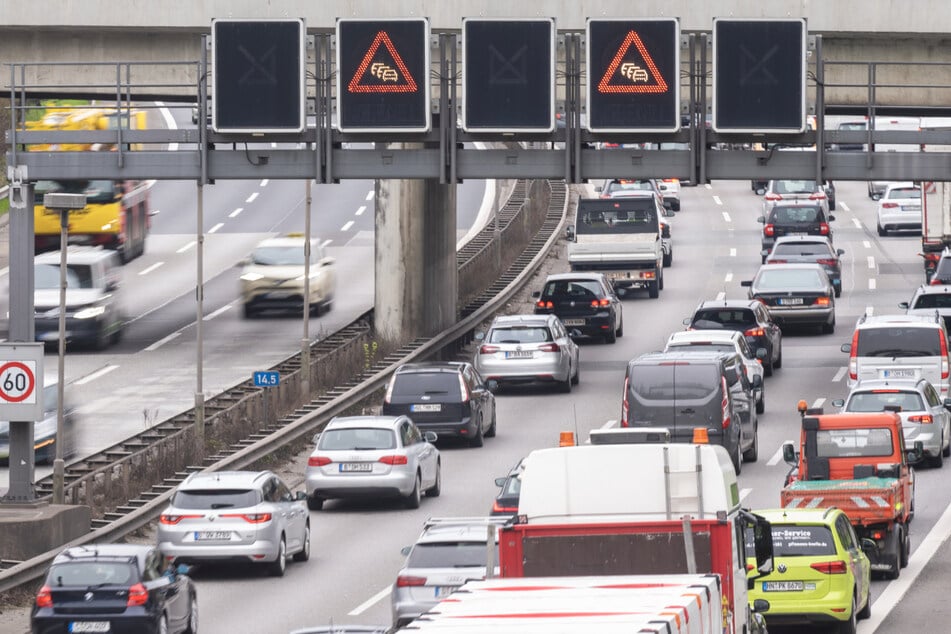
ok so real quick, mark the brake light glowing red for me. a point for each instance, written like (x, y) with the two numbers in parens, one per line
(823, 228)
(624, 404)
(394, 460)
(599, 303)
(768, 230)
(487, 349)
(826, 262)
(772, 261)
(498, 508)
(44, 598)
(250, 518)
(924, 419)
(138, 595)
(754, 332)
(889, 205)
(853, 357)
(172, 520)
(837, 567)
(543, 304)
(318, 461)
(549, 347)
(404, 581)
(773, 196)
(822, 301)
(819, 195)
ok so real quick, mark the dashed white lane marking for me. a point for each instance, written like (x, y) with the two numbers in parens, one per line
(214, 314)
(708, 186)
(819, 402)
(857, 223)
(871, 284)
(744, 493)
(361, 210)
(776, 457)
(236, 212)
(4, 271)
(717, 200)
(187, 247)
(726, 217)
(325, 243)
(161, 342)
(148, 270)
(721, 295)
(871, 262)
(363, 607)
(608, 425)
(866, 244)
(869, 310)
(370, 195)
(839, 374)
(347, 225)
(95, 375)
(842, 204)
(273, 144)
(264, 183)
(216, 227)
(251, 197)
(732, 253)
(728, 277)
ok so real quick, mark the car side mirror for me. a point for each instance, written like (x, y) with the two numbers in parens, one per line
(757, 381)
(790, 455)
(838, 402)
(500, 482)
(479, 336)
(761, 353)
(747, 283)
(598, 188)
(762, 605)
(430, 436)
(183, 569)
(111, 285)
(840, 251)
(492, 385)
(405, 550)
(846, 347)
(831, 218)
(686, 321)
(947, 403)
(903, 305)
(570, 233)
(300, 496)
(536, 294)
(761, 220)
(315, 438)
(868, 546)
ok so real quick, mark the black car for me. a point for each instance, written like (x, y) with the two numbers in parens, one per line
(451, 399)
(510, 486)
(795, 294)
(817, 250)
(748, 316)
(584, 302)
(794, 219)
(116, 588)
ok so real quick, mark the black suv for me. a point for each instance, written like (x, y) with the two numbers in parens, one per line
(584, 302)
(748, 316)
(792, 219)
(450, 398)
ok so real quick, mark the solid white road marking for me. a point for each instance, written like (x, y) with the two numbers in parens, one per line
(363, 607)
(325, 243)
(857, 223)
(151, 268)
(871, 284)
(161, 342)
(216, 227)
(839, 374)
(264, 183)
(726, 217)
(169, 122)
(214, 314)
(4, 271)
(744, 493)
(608, 425)
(95, 375)
(708, 186)
(776, 457)
(721, 295)
(717, 200)
(841, 203)
(187, 247)
(732, 253)
(819, 402)
(866, 244)
(361, 210)
(251, 197)
(234, 214)
(728, 277)
(370, 195)
(871, 262)
(347, 226)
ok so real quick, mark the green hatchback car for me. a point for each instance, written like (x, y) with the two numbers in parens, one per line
(820, 575)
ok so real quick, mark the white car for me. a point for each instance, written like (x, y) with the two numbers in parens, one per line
(273, 277)
(670, 190)
(899, 208)
(729, 341)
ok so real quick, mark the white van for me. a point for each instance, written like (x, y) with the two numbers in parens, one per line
(899, 347)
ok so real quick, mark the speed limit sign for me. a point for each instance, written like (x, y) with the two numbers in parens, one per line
(21, 381)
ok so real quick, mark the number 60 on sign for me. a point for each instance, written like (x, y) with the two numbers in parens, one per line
(21, 381)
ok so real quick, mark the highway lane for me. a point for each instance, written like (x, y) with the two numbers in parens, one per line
(356, 546)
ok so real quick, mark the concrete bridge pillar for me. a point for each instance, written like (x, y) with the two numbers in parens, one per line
(416, 274)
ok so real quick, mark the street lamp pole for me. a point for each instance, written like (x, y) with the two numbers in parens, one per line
(63, 203)
(305, 338)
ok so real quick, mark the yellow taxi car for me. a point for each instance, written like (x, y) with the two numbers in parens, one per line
(820, 573)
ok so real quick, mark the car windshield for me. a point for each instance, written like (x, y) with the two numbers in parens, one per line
(46, 276)
(575, 290)
(355, 438)
(635, 215)
(789, 249)
(898, 341)
(417, 383)
(706, 345)
(787, 279)
(626, 185)
(92, 573)
(798, 541)
(933, 300)
(215, 498)
(794, 187)
(279, 256)
(795, 215)
(875, 401)
(853, 443)
(858, 125)
(448, 555)
(519, 334)
(719, 317)
(904, 192)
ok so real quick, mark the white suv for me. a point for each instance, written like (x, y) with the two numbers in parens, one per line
(273, 277)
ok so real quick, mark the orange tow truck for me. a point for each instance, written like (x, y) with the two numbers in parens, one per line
(858, 463)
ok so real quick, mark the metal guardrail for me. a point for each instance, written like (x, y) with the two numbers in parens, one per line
(32, 569)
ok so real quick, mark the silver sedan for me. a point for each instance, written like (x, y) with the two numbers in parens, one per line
(373, 456)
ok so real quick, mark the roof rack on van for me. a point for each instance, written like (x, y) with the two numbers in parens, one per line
(466, 521)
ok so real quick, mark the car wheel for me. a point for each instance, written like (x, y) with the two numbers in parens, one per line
(866, 611)
(937, 461)
(490, 432)
(653, 290)
(162, 626)
(192, 616)
(436, 489)
(761, 401)
(946, 452)
(577, 377)
(277, 567)
(829, 328)
(905, 549)
(315, 503)
(611, 336)
(778, 363)
(477, 439)
(620, 328)
(412, 501)
(737, 458)
(768, 366)
(881, 231)
(752, 454)
(304, 553)
(248, 312)
(116, 335)
(660, 279)
(848, 626)
(565, 386)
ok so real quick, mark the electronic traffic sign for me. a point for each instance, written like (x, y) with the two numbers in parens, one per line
(508, 75)
(633, 75)
(383, 75)
(759, 75)
(258, 75)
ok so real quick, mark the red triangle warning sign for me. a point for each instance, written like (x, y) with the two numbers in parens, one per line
(632, 70)
(382, 71)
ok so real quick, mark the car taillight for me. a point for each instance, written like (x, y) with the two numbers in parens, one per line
(624, 405)
(772, 261)
(936, 282)
(549, 347)
(822, 301)
(773, 196)
(250, 518)
(725, 404)
(889, 205)
(138, 595)
(171, 520)
(394, 460)
(487, 349)
(823, 228)
(944, 355)
(837, 567)
(44, 598)
(826, 262)
(318, 461)
(754, 332)
(819, 195)
(924, 419)
(600, 303)
(853, 357)
(768, 230)
(498, 508)
(671, 180)
(403, 581)
(543, 304)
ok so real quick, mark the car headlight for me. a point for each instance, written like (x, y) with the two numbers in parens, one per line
(90, 312)
(251, 277)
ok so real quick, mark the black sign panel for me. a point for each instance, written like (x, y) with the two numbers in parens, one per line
(508, 74)
(633, 75)
(383, 75)
(759, 75)
(258, 75)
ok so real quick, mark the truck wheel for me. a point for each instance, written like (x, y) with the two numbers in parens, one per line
(653, 290)
(905, 548)
(892, 554)
(668, 258)
(660, 279)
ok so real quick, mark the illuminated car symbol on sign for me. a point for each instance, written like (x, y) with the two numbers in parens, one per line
(384, 72)
(634, 72)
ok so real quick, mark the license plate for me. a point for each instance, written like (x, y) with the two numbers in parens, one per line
(782, 586)
(898, 374)
(426, 407)
(89, 626)
(573, 322)
(350, 467)
(442, 591)
(911, 208)
(279, 294)
(203, 536)
(518, 354)
(790, 301)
